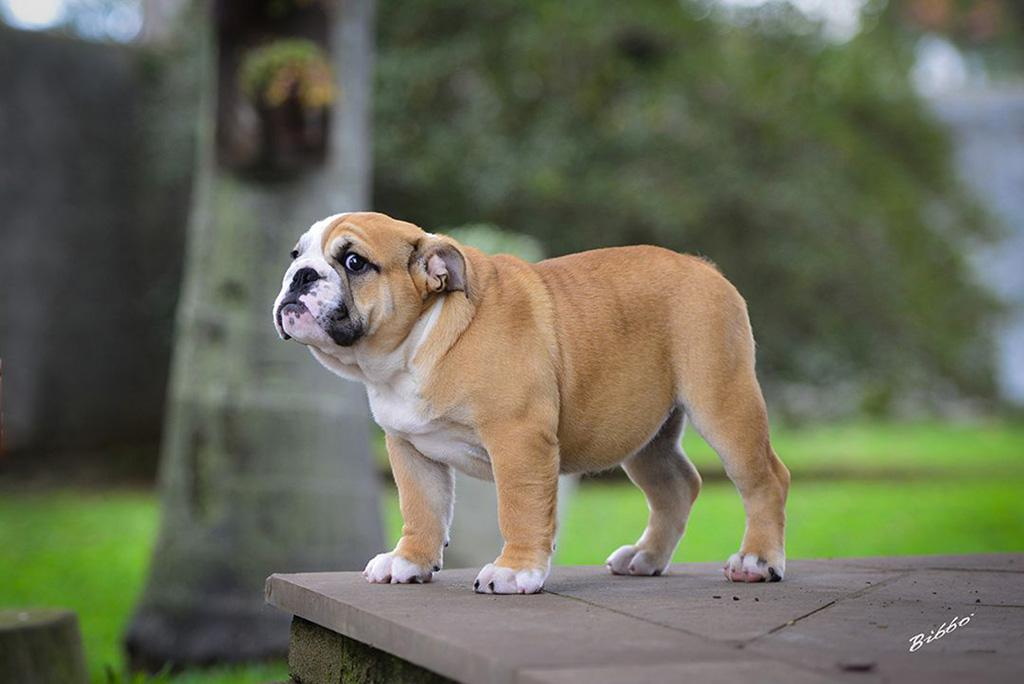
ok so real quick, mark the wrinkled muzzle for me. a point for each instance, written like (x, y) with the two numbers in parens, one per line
(312, 311)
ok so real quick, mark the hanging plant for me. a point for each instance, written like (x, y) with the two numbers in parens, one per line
(289, 69)
(287, 87)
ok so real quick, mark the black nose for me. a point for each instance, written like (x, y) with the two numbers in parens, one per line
(303, 278)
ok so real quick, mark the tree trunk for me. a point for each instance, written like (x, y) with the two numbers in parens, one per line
(265, 465)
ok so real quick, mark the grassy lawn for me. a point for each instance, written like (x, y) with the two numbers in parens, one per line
(88, 550)
(824, 520)
(81, 551)
(977, 449)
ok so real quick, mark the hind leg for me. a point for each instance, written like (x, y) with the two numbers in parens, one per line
(671, 484)
(733, 419)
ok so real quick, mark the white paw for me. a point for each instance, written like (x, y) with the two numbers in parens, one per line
(391, 568)
(630, 560)
(749, 567)
(494, 579)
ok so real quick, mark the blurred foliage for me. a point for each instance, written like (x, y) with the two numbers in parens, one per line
(118, 21)
(809, 171)
(272, 73)
(493, 240)
(991, 30)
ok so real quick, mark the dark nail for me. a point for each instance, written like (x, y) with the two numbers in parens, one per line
(476, 584)
(437, 568)
(491, 586)
(446, 543)
(775, 577)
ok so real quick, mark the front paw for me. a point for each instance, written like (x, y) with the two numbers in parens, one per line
(496, 579)
(391, 568)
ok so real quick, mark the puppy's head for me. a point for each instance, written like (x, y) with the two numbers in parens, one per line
(364, 278)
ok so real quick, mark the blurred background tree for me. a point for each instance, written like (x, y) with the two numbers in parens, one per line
(808, 169)
(266, 464)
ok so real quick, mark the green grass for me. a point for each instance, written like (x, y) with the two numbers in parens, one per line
(975, 448)
(80, 551)
(825, 519)
(88, 550)
(963, 501)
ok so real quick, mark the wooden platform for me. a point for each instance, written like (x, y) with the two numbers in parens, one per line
(830, 620)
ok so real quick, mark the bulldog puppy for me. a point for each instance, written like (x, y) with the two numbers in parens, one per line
(517, 372)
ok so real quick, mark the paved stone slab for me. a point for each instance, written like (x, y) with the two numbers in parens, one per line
(877, 626)
(842, 620)
(443, 626)
(990, 562)
(696, 599)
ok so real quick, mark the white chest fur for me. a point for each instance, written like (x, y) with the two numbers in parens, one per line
(397, 405)
(398, 409)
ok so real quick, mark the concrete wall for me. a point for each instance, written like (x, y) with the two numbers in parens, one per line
(91, 236)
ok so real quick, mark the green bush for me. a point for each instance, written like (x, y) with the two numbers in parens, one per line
(493, 240)
(809, 171)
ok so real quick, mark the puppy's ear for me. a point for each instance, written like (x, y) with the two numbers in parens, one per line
(443, 264)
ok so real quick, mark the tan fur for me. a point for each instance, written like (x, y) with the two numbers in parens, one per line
(571, 365)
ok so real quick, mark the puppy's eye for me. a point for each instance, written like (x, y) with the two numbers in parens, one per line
(355, 263)
(295, 254)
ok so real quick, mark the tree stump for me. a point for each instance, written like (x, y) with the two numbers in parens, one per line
(41, 646)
